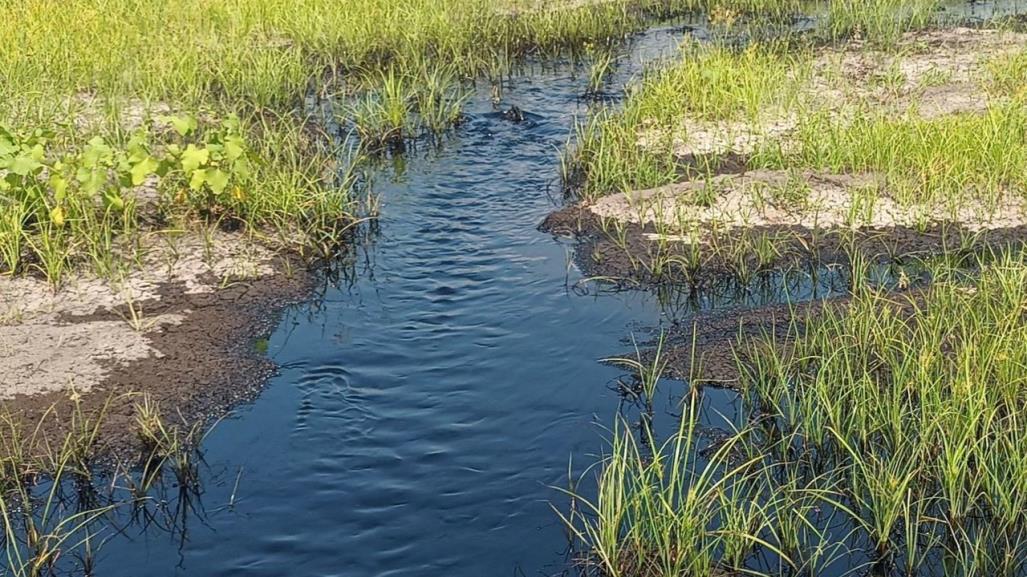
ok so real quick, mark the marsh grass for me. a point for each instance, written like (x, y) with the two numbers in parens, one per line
(634, 147)
(721, 92)
(884, 432)
(879, 21)
(407, 63)
(404, 103)
(946, 161)
(966, 167)
(59, 505)
(654, 506)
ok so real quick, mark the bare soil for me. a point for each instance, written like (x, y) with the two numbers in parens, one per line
(637, 255)
(179, 329)
(809, 199)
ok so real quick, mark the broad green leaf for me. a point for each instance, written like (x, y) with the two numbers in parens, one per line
(24, 165)
(7, 147)
(215, 150)
(143, 169)
(183, 125)
(235, 146)
(232, 124)
(241, 168)
(138, 147)
(96, 153)
(38, 153)
(59, 184)
(217, 180)
(197, 179)
(193, 158)
(92, 181)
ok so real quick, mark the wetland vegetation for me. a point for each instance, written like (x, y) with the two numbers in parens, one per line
(204, 147)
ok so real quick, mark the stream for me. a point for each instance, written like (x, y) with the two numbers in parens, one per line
(426, 407)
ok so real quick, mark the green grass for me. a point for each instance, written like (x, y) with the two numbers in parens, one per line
(404, 65)
(920, 397)
(944, 160)
(59, 505)
(634, 148)
(892, 426)
(265, 52)
(949, 159)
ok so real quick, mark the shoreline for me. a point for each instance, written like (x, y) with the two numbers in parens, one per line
(185, 341)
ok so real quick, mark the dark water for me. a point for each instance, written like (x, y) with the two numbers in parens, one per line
(424, 410)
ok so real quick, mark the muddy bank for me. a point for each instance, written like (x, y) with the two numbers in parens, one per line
(181, 329)
(633, 254)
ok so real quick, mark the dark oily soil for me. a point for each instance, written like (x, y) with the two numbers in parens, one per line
(708, 348)
(632, 259)
(207, 364)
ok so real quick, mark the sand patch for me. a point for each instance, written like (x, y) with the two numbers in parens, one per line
(929, 74)
(808, 199)
(73, 338)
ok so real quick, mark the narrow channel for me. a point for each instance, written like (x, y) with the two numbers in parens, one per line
(425, 410)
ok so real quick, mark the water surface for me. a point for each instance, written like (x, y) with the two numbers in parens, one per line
(424, 410)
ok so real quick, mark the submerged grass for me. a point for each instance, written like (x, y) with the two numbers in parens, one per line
(59, 505)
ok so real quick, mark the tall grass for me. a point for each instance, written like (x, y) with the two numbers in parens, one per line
(264, 52)
(894, 424)
(634, 147)
(946, 160)
(717, 92)
(922, 395)
(258, 59)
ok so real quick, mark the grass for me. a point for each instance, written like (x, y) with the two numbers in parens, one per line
(950, 159)
(719, 102)
(405, 66)
(634, 148)
(779, 106)
(58, 506)
(884, 432)
(71, 203)
(265, 52)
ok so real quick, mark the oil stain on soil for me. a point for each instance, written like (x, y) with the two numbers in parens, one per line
(179, 331)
